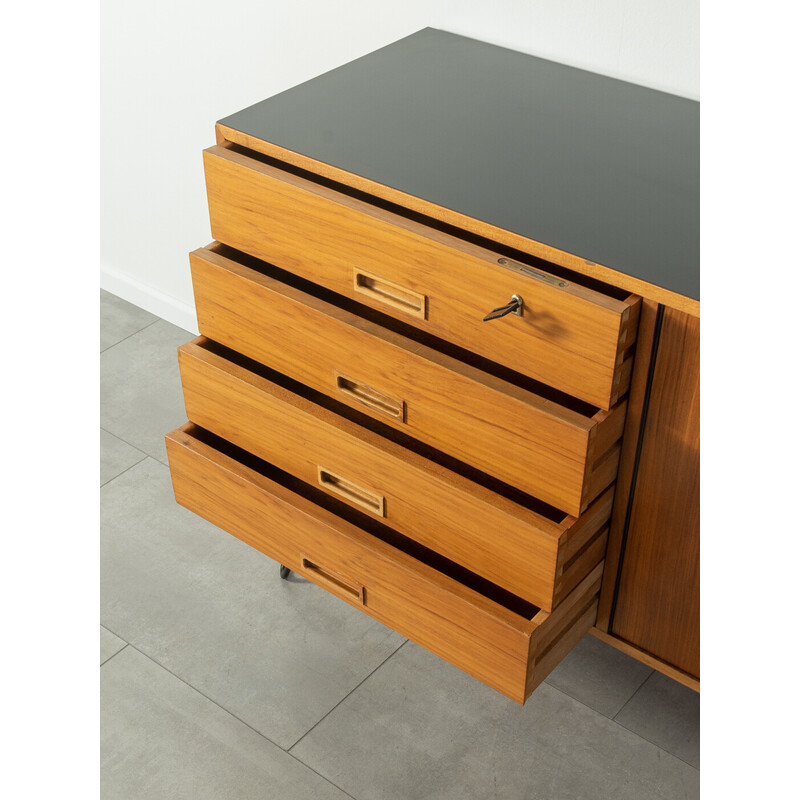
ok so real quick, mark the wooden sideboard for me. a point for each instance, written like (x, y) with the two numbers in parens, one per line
(493, 488)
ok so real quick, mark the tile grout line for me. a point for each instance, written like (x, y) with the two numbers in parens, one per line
(321, 719)
(127, 469)
(638, 689)
(327, 714)
(580, 702)
(103, 663)
(230, 713)
(613, 719)
(124, 339)
(327, 780)
(655, 744)
(202, 694)
(124, 441)
(586, 705)
(114, 633)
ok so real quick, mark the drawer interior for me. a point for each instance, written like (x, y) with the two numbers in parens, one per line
(522, 608)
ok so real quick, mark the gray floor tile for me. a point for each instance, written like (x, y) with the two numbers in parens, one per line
(419, 728)
(162, 739)
(140, 387)
(116, 456)
(277, 654)
(599, 676)
(109, 644)
(668, 714)
(119, 319)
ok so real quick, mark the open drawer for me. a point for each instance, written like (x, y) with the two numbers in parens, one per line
(553, 447)
(569, 335)
(498, 638)
(533, 550)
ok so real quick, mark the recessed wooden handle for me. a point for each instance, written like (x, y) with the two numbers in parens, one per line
(372, 398)
(335, 583)
(391, 294)
(364, 498)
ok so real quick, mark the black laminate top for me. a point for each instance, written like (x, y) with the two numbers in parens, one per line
(597, 167)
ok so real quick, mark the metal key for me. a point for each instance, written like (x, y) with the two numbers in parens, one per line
(513, 306)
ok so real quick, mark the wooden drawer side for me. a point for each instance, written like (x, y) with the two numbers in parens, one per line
(583, 546)
(557, 632)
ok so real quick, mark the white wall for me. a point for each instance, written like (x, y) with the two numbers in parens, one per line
(171, 68)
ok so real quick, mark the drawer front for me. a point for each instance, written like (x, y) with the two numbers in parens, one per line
(558, 455)
(509, 650)
(535, 556)
(568, 336)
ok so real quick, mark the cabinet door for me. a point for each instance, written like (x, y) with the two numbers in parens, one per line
(658, 603)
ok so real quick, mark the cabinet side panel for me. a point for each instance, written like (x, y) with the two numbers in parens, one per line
(658, 604)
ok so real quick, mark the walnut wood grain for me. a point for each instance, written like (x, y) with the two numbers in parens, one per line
(658, 603)
(569, 336)
(474, 633)
(509, 432)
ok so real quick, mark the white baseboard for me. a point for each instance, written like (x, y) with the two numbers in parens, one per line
(149, 298)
